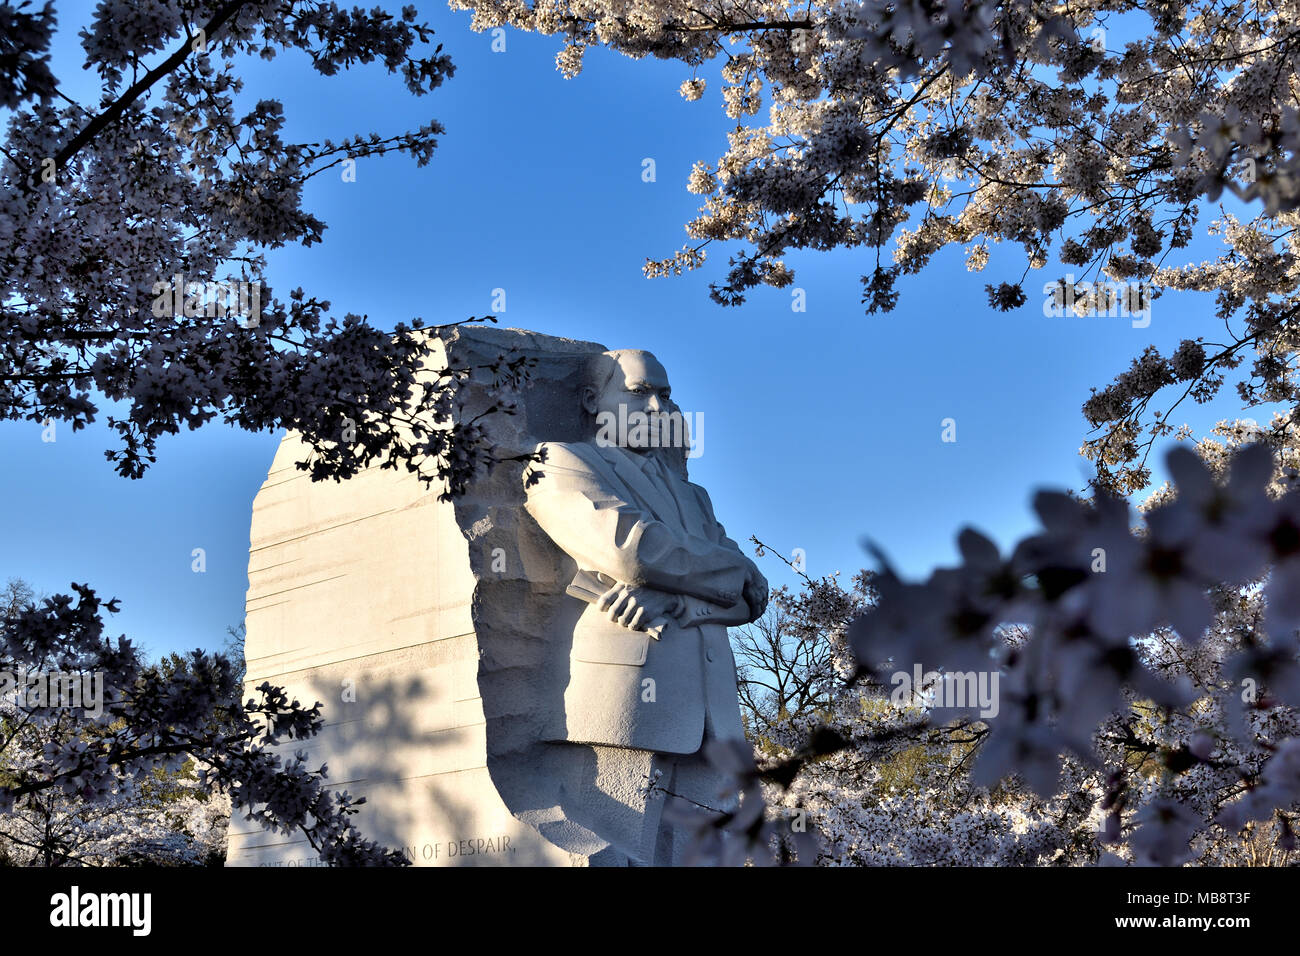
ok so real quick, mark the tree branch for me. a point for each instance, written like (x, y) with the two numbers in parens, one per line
(119, 106)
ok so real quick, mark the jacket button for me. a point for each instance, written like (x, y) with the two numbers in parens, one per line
(708, 653)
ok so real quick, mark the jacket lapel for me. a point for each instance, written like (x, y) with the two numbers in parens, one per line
(649, 495)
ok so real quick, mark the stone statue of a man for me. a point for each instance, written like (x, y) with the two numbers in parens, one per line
(651, 674)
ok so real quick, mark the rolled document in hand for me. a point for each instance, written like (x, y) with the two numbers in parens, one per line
(590, 585)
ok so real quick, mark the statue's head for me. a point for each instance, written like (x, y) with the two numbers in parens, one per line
(631, 378)
(626, 385)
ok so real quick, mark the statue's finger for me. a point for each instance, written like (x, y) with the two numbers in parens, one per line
(604, 600)
(631, 609)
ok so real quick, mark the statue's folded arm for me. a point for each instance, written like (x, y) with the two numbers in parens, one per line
(604, 532)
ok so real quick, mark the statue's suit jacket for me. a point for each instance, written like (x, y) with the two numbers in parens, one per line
(649, 530)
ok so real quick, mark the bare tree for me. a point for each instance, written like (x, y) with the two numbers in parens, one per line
(792, 661)
(16, 594)
(778, 674)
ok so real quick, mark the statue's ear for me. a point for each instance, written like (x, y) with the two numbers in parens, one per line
(588, 396)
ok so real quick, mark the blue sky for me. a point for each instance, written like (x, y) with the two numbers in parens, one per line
(822, 427)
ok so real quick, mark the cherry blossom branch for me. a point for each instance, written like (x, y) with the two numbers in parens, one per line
(118, 107)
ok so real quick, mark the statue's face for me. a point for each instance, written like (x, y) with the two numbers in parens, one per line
(640, 384)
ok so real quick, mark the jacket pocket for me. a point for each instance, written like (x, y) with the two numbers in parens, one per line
(624, 646)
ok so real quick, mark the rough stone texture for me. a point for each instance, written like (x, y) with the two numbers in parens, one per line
(371, 584)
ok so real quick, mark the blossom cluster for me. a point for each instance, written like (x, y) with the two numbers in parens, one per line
(173, 171)
(1096, 133)
(82, 771)
(1149, 706)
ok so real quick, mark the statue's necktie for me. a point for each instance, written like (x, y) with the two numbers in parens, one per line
(659, 477)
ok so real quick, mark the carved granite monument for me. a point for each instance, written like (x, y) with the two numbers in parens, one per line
(503, 676)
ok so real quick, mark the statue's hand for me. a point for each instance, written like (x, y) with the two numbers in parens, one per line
(637, 608)
(755, 590)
